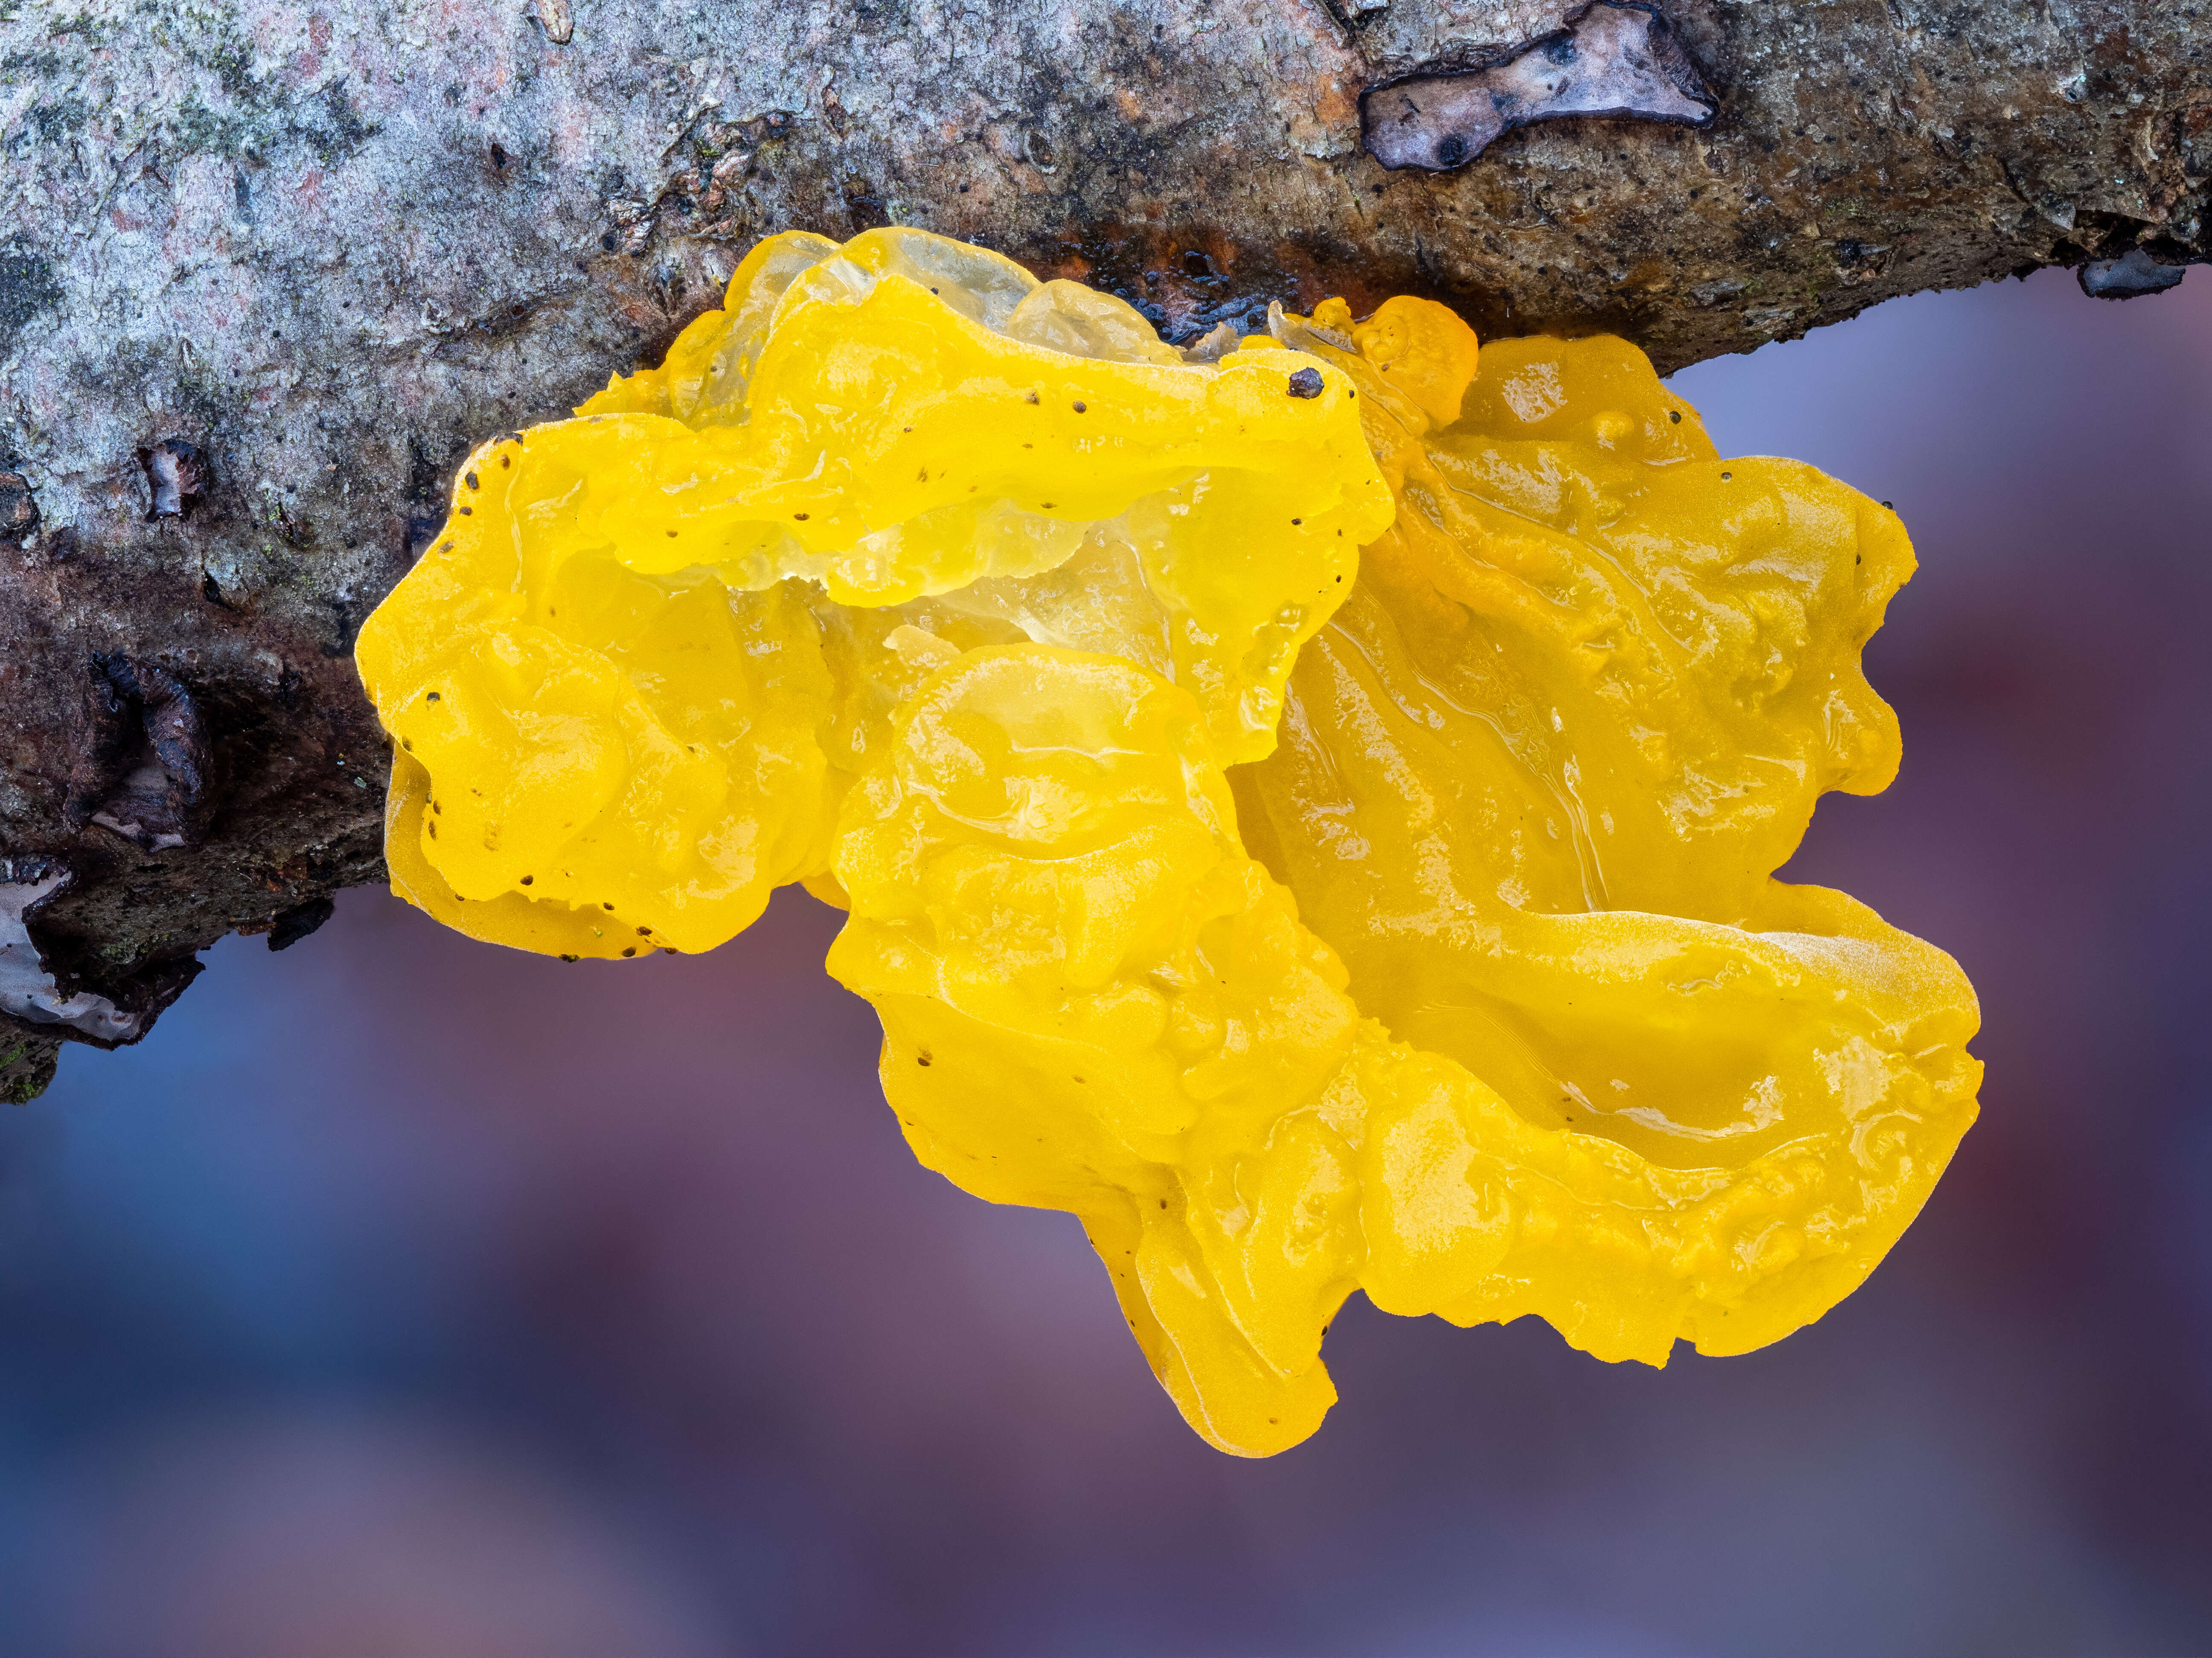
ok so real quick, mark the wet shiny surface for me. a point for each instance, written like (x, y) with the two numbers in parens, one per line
(1687, 1103)
(652, 646)
(374, 1277)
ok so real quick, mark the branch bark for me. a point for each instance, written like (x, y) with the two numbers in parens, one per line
(268, 270)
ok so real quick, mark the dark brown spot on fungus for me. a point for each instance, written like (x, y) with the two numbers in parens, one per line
(472, 478)
(1082, 408)
(1674, 414)
(801, 517)
(1306, 383)
(1615, 58)
(528, 879)
(629, 950)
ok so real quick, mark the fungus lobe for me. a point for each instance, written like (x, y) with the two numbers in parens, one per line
(1323, 841)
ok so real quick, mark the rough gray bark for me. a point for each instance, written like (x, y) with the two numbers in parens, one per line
(267, 271)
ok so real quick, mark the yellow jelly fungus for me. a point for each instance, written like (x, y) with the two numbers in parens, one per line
(655, 643)
(963, 599)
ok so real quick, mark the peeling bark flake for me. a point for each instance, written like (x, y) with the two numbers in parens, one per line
(1614, 59)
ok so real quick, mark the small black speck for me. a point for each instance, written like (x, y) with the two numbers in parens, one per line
(1033, 397)
(1725, 477)
(1306, 383)
(468, 512)
(671, 535)
(933, 290)
(433, 696)
(644, 933)
(506, 460)
(1046, 506)
(1674, 414)
(629, 950)
(1297, 520)
(921, 1058)
(1082, 408)
(567, 958)
(471, 478)
(801, 517)
(606, 905)
(528, 879)
(1891, 504)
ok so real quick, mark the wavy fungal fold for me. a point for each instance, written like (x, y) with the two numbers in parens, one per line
(1309, 812)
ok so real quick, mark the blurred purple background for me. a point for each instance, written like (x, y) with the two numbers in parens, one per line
(402, 1295)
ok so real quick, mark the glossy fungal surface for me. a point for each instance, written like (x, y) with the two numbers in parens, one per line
(1311, 814)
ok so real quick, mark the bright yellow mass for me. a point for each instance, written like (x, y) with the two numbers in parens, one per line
(1311, 811)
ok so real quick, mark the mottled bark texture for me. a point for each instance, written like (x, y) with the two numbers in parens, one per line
(268, 270)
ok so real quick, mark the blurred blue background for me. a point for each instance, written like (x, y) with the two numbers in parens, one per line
(401, 1295)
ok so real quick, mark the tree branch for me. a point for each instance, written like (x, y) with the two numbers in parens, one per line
(272, 271)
